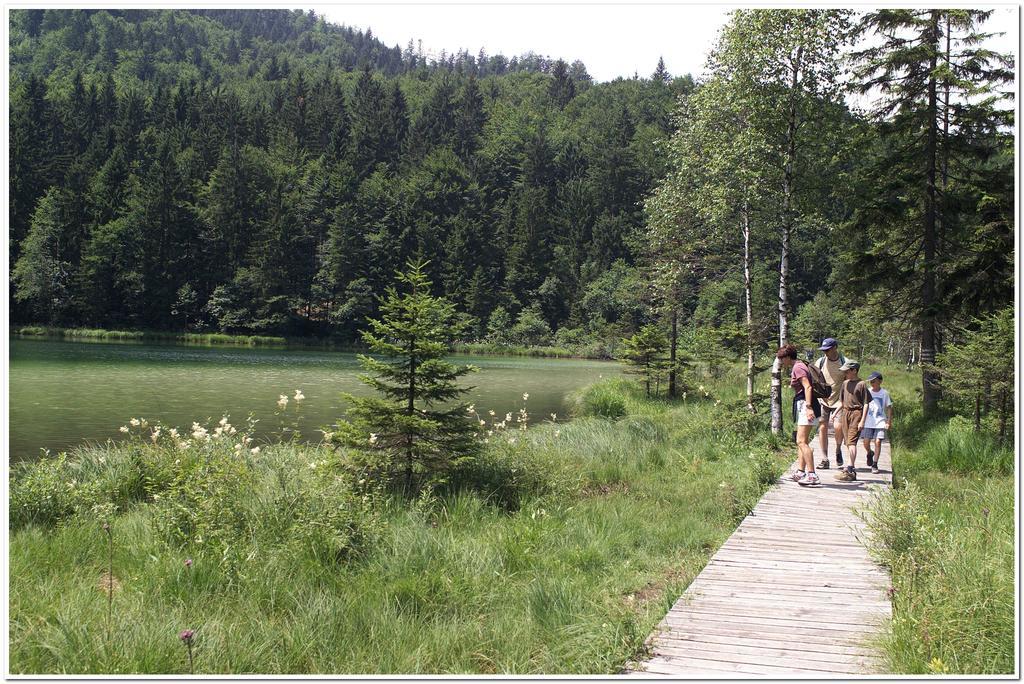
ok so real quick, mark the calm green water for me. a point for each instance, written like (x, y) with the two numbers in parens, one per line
(65, 393)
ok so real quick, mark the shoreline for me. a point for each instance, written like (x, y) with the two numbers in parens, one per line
(275, 342)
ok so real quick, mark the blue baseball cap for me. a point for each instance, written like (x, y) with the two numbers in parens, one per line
(828, 343)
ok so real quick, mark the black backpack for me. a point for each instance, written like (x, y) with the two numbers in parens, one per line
(820, 388)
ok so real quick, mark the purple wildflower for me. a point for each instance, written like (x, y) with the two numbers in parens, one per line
(188, 562)
(186, 635)
(891, 592)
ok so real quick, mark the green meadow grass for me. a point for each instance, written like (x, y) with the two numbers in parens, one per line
(556, 553)
(946, 531)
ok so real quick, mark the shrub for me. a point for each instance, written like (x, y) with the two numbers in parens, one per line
(47, 492)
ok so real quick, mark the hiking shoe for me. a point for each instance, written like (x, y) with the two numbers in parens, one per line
(823, 464)
(839, 457)
(875, 470)
(846, 475)
(871, 459)
(797, 475)
(809, 479)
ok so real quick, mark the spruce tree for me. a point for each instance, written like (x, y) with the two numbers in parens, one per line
(413, 433)
(644, 354)
(939, 90)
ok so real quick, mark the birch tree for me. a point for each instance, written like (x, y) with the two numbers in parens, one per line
(784, 65)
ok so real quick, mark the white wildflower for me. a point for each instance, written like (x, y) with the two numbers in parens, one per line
(173, 432)
(124, 428)
(491, 412)
(254, 450)
(156, 435)
(373, 438)
(554, 416)
(526, 395)
(299, 396)
(508, 417)
(238, 447)
(134, 422)
(223, 421)
(282, 401)
(483, 422)
(471, 408)
(199, 433)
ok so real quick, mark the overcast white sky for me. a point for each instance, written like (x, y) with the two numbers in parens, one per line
(611, 39)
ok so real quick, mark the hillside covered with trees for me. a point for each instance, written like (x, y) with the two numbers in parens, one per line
(267, 172)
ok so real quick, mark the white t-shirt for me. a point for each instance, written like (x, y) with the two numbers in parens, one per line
(876, 409)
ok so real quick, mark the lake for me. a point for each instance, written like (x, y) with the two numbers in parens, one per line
(62, 394)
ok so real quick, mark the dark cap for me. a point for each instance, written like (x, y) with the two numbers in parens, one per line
(875, 375)
(828, 343)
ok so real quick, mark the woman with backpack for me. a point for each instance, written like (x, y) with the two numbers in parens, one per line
(806, 409)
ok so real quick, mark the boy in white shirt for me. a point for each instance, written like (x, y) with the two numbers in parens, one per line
(879, 419)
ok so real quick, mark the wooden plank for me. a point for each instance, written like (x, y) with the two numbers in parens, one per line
(764, 650)
(797, 601)
(688, 665)
(781, 641)
(739, 631)
(692, 614)
(774, 585)
(846, 664)
(852, 616)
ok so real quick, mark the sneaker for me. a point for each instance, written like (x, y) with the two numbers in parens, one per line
(809, 479)
(797, 475)
(871, 459)
(823, 464)
(839, 457)
(875, 470)
(846, 475)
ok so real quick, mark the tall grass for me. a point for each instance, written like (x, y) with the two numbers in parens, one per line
(557, 551)
(946, 531)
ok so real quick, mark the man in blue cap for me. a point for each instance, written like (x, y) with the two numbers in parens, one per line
(829, 365)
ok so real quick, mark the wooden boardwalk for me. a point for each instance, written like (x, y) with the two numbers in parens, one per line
(791, 593)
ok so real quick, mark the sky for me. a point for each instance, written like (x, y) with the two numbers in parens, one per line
(611, 39)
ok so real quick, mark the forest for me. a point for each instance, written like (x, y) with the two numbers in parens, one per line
(267, 172)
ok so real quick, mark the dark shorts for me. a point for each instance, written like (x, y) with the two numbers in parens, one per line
(849, 421)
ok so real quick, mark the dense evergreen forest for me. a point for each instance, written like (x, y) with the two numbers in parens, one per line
(267, 172)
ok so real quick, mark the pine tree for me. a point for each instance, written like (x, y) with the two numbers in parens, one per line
(406, 434)
(925, 58)
(661, 74)
(562, 88)
(644, 354)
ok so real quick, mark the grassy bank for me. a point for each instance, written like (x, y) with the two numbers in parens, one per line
(594, 351)
(947, 533)
(100, 334)
(556, 552)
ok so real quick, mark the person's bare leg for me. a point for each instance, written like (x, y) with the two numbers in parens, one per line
(837, 426)
(823, 432)
(806, 459)
(878, 450)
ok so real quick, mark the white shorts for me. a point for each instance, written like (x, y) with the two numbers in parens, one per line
(801, 414)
